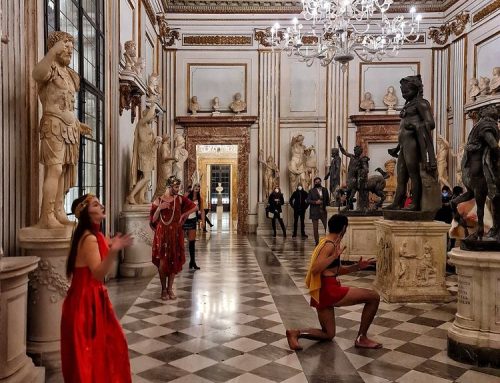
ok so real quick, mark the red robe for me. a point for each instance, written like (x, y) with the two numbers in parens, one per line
(93, 346)
(168, 242)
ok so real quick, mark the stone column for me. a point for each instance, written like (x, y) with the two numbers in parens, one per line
(411, 261)
(474, 336)
(168, 78)
(15, 366)
(137, 258)
(47, 289)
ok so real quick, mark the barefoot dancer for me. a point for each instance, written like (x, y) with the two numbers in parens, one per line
(327, 293)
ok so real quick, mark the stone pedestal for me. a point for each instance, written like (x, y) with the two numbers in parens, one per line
(411, 261)
(47, 289)
(360, 238)
(134, 220)
(474, 336)
(219, 210)
(15, 365)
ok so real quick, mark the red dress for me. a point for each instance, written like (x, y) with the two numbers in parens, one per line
(168, 241)
(93, 346)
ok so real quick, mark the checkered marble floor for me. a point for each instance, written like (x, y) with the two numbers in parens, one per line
(414, 335)
(224, 326)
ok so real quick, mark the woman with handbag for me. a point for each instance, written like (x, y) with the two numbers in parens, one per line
(276, 201)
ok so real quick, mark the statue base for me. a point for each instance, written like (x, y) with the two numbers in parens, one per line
(360, 213)
(411, 261)
(47, 289)
(474, 336)
(137, 258)
(15, 365)
(360, 227)
(480, 245)
(408, 215)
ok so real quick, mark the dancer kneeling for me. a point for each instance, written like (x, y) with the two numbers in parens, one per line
(327, 293)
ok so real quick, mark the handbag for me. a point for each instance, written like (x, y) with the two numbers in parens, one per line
(269, 213)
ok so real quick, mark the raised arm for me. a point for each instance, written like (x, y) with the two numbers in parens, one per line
(41, 72)
(342, 150)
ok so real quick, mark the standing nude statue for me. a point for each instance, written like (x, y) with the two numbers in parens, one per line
(59, 128)
(296, 166)
(271, 173)
(443, 148)
(334, 173)
(180, 155)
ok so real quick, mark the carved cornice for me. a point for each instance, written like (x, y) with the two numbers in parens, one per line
(214, 121)
(486, 11)
(456, 26)
(166, 34)
(130, 98)
(216, 40)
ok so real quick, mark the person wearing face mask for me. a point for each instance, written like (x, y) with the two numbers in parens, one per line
(445, 213)
(327, 292)
(299, 206)
(276, 201)
(318, 199)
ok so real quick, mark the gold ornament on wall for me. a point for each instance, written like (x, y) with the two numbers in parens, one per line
(486, 11)
(263, 36)
(456, 26)
(230, 40)
(167, 35)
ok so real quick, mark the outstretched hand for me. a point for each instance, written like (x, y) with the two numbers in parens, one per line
(121, 241)
(363, 264)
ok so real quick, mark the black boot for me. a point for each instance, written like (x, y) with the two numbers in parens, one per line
(192, 260)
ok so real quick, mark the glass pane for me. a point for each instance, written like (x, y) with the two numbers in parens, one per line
(51, 15)
(89, 6)
(90, 112)
(89, 52)
(69, 24)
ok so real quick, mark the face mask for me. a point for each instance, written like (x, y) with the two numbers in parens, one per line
(444, 194)
(276, 190)
(318, 184)
(299, 188)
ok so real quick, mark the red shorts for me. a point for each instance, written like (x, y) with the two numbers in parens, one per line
(331, 292)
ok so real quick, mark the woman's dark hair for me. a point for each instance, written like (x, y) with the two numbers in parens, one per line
(457, 190)
(84, 223)
(191, 196)
(447, 188)
(336, 223)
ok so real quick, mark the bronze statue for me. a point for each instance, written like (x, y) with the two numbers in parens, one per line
(334, 172)
(415, 151)
(481, 174)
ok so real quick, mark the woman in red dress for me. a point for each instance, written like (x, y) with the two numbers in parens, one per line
(93, 346)
(167, 216)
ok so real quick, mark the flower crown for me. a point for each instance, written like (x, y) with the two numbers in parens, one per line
(82, 205)
(173, 181)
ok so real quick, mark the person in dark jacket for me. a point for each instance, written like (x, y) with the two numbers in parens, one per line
(299, 206)
(318, 199)
(276, 201)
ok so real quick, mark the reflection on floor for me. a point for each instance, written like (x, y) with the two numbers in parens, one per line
(225, 224)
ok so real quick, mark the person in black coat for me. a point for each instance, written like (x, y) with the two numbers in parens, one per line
(276, 201)
(318, 199)
(299, 206)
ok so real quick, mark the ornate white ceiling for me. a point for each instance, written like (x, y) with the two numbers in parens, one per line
(284, 6)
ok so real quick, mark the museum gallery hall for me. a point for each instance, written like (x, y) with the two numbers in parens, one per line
(249, 191)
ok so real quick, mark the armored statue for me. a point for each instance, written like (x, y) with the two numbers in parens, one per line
(59, 128)
(271, 173)
(416, 160)
(481, 175)
(333, 173)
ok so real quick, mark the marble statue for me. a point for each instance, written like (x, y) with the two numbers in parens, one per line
(459, 154)
(484, 86)
(238, 105)
(143, 157)
(180, 155)
(443, 148)
(165, 163)
(271, 173)
(132, 62)
(194, 107)
(311, 165)
(296, 166)
(215, 106)
(390, 99)
(473, 89)
(59, 128)
(495, 81)
(415, 152)
(219, 190)
(153, 92)
(390, 182)
(333, 173)
(367, 103)
(481, 176)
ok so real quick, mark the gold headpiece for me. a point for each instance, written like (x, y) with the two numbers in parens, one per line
(173, 181)
(82, 205)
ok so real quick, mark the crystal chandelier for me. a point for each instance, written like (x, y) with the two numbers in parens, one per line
(338, 29)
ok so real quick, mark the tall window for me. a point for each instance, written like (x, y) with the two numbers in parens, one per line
(84, 20)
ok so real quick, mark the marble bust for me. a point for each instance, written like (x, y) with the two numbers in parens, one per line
(367, 103)
(473, 89)
(132, 62)
(153, 93)
(495, 81)
(194, 106)
(390, 99)
(215, 106)
(238, 105)
(484, 86)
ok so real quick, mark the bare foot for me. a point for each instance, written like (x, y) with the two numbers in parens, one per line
(292, 336)
(364, 342)
(164, 295)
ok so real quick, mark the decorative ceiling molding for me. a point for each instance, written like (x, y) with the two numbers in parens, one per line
(294, 7)
(207, 40)
(456, 26)
(486, 11)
